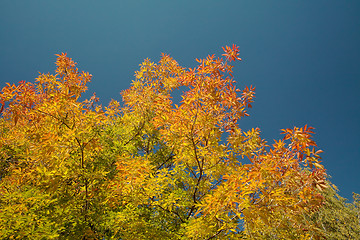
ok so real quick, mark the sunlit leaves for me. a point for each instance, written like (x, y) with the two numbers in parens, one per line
(154, 167)
(231, 54)
(49, 140)
(271, 192)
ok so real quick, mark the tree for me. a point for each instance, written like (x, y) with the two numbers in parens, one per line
(151, 168)
(337, 219)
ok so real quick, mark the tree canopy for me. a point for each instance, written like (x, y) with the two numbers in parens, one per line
(149, 167)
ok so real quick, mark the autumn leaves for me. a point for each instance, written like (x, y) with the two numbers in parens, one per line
(151, 168)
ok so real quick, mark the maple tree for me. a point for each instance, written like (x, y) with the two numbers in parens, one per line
(150, 168)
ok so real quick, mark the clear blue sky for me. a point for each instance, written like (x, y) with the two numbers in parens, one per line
(302, 56)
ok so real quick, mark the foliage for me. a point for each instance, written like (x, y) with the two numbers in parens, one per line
(337, 219)
(151, 168)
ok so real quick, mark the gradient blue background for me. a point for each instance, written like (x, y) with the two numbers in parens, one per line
(302, 56)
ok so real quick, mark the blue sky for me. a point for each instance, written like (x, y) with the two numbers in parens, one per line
(302, 56)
